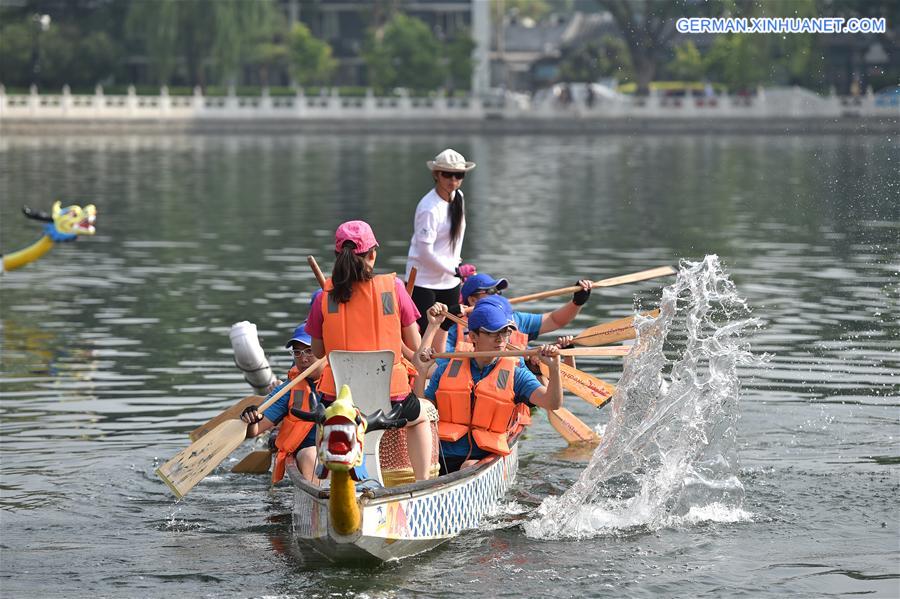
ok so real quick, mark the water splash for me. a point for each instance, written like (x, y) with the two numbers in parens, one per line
(668, 456)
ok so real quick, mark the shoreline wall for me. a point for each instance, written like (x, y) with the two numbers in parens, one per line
(432, 126)
(771, 111)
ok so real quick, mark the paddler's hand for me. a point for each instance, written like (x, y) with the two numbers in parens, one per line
(564, 341)
(251, 415)
(272, 386)
(455, 310)
(436, 313)
(422, 360)
(581, 296)
(550, 355)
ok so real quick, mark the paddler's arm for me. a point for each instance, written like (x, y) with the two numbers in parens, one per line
(549, 397)
(422, 360)
(565, 314)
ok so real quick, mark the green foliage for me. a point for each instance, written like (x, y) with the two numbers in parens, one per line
(63, 54)
(408, 55)
(738, 61)
(310, 58)
(607, 57)
(15, 53)
(460, 63)
(533, 9)
(205, 38)
(688, 64)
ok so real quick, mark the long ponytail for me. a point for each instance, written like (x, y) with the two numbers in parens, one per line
(457, 210)
(349, 268)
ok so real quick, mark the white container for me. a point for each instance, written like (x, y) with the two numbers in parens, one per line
(250, 357)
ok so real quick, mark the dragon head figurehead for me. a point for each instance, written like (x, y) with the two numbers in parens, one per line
(64, 224)
(340, 438)
(74, 220)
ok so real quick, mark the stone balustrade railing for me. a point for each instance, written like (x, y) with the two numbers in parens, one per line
(764, 104)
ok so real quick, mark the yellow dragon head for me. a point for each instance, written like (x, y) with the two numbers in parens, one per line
(74, 220)
(340, 438)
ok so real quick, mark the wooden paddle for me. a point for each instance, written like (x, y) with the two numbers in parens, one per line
(316, 270)
(230, 413)
(571, 428)
(610, 332)
(615, 350)
(412, 280)
(256, 462)
(589, 388)
(621, 280)
(193, 463)
(260, 461)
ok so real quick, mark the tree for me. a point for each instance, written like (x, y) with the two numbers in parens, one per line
(407, 56)
(207, 37)
(460, 63)
(737, 60)
(309, 57)
(16, 45)
(688, 64)
(607, 57)
(648, 27)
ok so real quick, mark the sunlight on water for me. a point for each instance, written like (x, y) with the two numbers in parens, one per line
(668, 456)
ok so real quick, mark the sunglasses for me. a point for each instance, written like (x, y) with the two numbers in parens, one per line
(490, 291)
(457, 176)
(500, 335)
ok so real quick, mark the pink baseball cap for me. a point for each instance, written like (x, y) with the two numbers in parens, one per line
(357, 231)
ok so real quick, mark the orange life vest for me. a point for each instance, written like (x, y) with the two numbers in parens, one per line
(462, 340)
(293, 430)
(490, 417)
(369, 321)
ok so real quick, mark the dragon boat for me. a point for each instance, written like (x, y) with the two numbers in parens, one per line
(373, 518)
(62, 224)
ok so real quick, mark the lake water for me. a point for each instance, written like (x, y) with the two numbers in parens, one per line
(116, 346)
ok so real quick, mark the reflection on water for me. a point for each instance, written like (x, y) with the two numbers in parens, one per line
(115, 347)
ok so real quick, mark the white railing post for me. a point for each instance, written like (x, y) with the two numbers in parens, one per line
(66, 100)
(300, 102)
(197, 103)
(265, 101)
(97, 103)
(34, 101)
(165, 102)
(131, 102)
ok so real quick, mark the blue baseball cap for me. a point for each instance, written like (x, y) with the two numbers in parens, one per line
(491, 314)
(480, 282)
(300, 335)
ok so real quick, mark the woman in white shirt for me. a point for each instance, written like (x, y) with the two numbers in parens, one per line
(440, 226)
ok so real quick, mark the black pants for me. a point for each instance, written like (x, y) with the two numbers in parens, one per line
(451, 464)
(424, 298)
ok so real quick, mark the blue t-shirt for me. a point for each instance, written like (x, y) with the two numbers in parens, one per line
(524, 384)
(528, 323)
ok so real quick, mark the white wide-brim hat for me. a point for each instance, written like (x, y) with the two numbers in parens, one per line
(450, 161)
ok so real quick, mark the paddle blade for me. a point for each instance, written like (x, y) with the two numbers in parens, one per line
(572, 429)
(587, 387)
(610, 332)
(256, 462)
(231, 413)
(199, 458)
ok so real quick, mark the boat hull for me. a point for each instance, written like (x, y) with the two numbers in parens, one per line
(406, 520)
